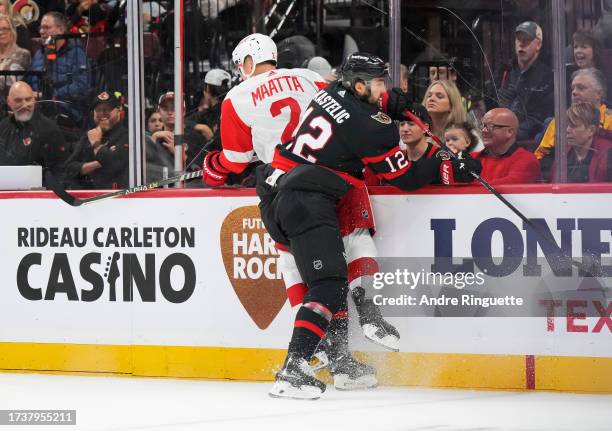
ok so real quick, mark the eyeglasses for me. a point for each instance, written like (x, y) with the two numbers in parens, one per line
(491, 127)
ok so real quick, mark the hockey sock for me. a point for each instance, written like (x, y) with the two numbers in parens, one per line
(337, 333)
(311, 322)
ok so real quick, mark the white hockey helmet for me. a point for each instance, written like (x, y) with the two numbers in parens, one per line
(259, 47)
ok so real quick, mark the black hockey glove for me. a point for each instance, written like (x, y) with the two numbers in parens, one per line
(457, 170)
(463, 165)
(394, 103)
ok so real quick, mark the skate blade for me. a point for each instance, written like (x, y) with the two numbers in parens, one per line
(389, 341)
(343, 382)
(283, 389)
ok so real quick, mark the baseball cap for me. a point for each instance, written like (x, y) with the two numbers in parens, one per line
(167, 95)
(530, 28)
(320, 65)
(108, 97)
(217, 77)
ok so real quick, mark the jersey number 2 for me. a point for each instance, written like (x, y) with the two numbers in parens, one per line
(294, 118)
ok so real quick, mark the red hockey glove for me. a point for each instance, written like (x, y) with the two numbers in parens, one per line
(214, 174)
(457, 170)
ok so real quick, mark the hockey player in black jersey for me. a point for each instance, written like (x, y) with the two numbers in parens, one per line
(342, 131)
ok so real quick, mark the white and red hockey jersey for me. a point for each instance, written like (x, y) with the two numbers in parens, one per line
(263, 112)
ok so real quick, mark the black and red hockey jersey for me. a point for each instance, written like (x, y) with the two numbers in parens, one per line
(344, 133)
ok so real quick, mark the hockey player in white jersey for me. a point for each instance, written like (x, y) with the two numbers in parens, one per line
(263, 111)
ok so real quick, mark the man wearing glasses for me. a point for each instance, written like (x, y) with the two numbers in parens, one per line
(503, 162)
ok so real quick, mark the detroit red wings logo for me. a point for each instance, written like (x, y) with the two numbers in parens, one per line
(27, 141)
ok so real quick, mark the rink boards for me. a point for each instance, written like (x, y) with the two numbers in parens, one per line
(185, 284)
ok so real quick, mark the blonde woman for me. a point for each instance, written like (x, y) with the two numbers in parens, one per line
(443, 103)
(24, 38)
(12, 57)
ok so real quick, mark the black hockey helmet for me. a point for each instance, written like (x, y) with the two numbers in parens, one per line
(361, 66)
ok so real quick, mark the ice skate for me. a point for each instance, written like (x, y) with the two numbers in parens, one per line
(375, 327)
(297, 381)
(350, 374)
(333, 353)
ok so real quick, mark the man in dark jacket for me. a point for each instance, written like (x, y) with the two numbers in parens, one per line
(100, 159)
(27, 137)
(526, 88)
(66, 67)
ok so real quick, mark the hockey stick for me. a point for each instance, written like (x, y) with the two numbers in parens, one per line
(71, 200)
(489, 187)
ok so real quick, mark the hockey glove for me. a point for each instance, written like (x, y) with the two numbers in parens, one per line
(394, 103)
(214, 174)
(458, 170)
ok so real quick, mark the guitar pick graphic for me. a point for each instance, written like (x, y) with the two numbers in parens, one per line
(250, 260)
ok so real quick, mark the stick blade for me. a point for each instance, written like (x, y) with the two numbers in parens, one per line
(52, 183)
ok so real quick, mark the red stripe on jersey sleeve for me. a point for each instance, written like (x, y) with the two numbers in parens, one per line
(392, 175)
(235, 136)
(321, 85)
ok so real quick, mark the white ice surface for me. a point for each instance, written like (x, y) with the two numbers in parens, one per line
(115, 403)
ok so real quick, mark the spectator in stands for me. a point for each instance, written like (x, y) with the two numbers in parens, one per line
(461, 137)
(526, 86)
(322, 67)
(587, 50)
(414, 141)
(443, 102)
(193, 141)
(503, 161)
(32, 11)
(589, 152)
(588, 85)
(86, 16)
(160, 142)
(165, 137)
(12, 57)
(588, 53)
(66, 67)
(151, 13)
(24, 38)
(27, 137)
(100, 159)
(154, 121)
(216, 86)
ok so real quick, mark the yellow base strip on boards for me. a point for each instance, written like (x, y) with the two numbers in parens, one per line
(447, 370)
(573, 374)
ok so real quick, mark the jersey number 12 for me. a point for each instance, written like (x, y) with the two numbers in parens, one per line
(308, 140)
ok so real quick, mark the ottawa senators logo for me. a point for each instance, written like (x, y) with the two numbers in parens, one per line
(443, 154)
(28, 9)
(381, 117)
